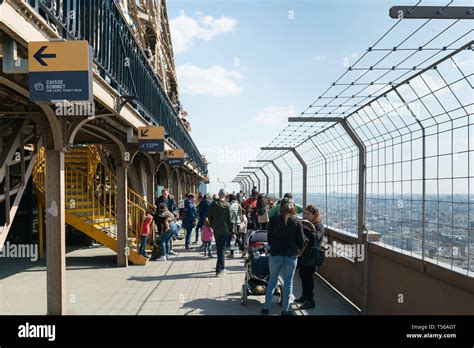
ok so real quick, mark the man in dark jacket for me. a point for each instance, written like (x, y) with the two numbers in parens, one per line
(219, 218)
(203, 211)
(189, 220)
(165, 198)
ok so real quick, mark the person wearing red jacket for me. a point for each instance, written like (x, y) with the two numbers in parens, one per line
(250, 206)
(145, 232)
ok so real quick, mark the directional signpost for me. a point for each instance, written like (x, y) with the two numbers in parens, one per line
(60, 70)
(175, 158)
(151, 139)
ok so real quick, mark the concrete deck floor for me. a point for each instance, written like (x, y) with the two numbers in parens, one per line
(185, 285)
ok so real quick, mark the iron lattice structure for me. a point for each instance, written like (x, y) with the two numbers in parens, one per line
(134, 58)
(151, 27)
(409, 98)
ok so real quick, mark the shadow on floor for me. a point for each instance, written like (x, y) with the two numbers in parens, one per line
(239, 268)
(229, 304)
(11, 266)
(208, 274)
(224, 305)
(76, 262)
(90, 262)
(188, 258)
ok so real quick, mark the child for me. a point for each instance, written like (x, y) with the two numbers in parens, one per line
(146, 230)
(206, 237)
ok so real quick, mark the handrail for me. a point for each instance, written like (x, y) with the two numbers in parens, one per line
(93, 197)
(120, 60)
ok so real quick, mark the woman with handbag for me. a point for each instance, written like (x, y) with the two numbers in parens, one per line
(285, 239)
(310, 257)
(262, 212)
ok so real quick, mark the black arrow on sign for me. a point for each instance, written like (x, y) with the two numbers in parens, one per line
(39, 55)
(144, 133)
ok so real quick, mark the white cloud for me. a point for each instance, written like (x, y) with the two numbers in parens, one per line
(275, 116)
(185, 30)
(431, 82)
(214, 81)
(468, 62)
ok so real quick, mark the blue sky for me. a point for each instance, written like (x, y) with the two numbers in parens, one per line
(245, 66)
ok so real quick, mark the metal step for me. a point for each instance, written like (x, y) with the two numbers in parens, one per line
(12, 207)
(13, 191)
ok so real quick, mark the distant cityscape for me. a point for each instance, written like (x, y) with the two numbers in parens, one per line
(449, 225)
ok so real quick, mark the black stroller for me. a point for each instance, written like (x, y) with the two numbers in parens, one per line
(256, 268)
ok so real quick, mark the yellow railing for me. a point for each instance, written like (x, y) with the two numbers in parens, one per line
(39, 170)
(137, 208)
(93, 160)
(101, 193)
(93, 195)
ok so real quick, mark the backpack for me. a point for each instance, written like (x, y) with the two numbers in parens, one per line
(313, 257)
(182, 213)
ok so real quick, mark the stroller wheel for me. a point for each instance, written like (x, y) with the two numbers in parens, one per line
(244, 295)
(280, 290)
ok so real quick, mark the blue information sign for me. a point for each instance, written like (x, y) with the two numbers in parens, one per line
(65, 85)
(151, 145)
(176, 162)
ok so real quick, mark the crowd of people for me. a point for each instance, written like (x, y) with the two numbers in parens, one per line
(227, 220)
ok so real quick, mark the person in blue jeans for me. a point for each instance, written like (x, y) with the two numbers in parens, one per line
(175, 227)
(189, 221)
(164, 220)
(285, 239)
(166, 244)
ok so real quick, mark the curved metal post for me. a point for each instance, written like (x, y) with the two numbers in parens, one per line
(303, 164)
(362, 235)
(265, 174)
(280, 175)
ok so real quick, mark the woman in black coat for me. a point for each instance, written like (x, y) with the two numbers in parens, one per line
(313, 230)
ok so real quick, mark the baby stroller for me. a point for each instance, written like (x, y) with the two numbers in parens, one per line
(257, 270)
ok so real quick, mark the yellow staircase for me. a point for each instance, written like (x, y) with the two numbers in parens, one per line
(91, 199)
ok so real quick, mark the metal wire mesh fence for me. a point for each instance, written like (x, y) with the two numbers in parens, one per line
(272, 178)
(410, 100)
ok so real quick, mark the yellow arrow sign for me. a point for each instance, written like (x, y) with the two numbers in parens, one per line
(44, 56)
(151, 133)
(174, 154)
